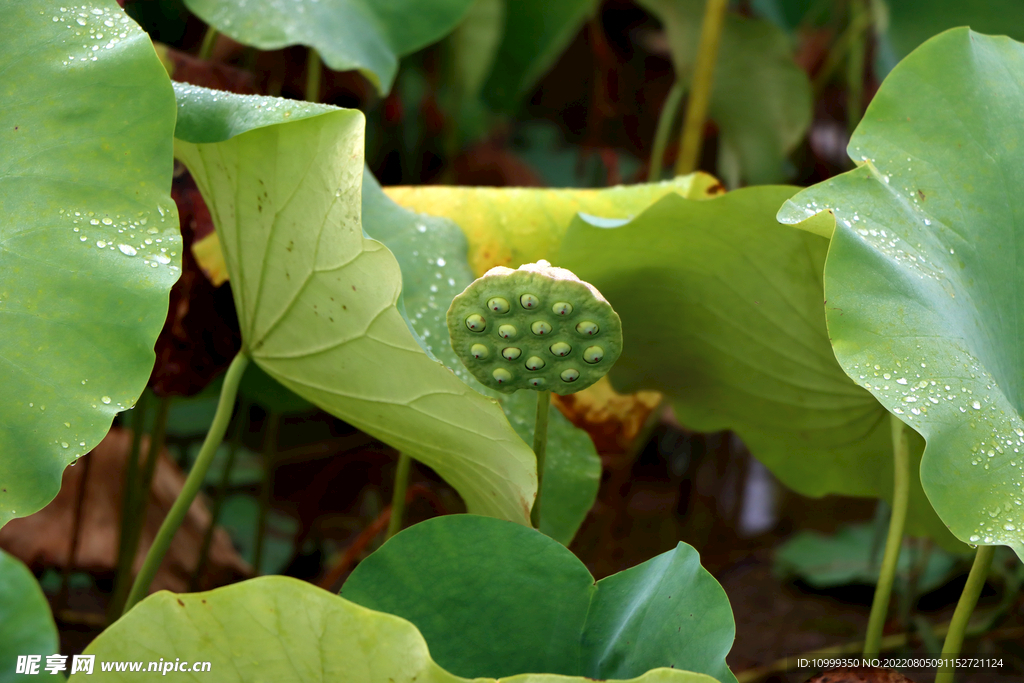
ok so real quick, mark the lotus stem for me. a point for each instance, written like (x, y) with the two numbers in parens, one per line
(666, 122)
(266, 487)
(962, 614)
(700, 88)
(398, 496)
(193, 482)
(540, 447)
(209, 40)
(893, 542)
(314, 69)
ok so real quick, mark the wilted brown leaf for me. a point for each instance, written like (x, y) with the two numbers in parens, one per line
(864, 674)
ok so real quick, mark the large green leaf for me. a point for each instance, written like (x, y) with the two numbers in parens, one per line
(924, 285)
(89, 236)
(722, 310)
(367, 35)
(496, 599)
(26, 625)
(432, 254)
(513, 226)
(280, 629)
(318, 302)
(536, 33)
(761, 100)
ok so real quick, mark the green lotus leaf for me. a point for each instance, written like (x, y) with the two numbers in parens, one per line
(89, 241)
(318, 302)
(513, 226)
(26, 625)
(853, 555)
(536, 33)
(276, 628)
(761, 100)
(495, 599)
(722, 311)
(432, 254)
(349, 34)
(923, 278)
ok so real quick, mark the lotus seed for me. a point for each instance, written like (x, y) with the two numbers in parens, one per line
(477, 323)
(507, 331)
(501, 375)
(479, 351)
(511, 353)
(536, 382)
(570, 375)
(498, 305)
(587, 328)
(534, 363)
(529, 301)
(594, 354)
(540, 328)
(561, 349)
(562, 308)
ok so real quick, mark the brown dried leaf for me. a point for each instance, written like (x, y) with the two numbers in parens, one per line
(613, 420)
(43, 540)
(863, 674)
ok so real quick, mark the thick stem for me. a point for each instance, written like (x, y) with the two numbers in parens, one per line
(700, 88)
(314, 68)
(398, 496)
(209, 40)
(137, 516)
(893, 542)
(666, 122)
(540, 447)
(968, 599)
(266, 487)
(193, 483)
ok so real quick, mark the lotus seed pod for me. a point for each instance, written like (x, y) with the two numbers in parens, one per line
(498, 304)
(556, 312)
(560, 349)
(534, 363)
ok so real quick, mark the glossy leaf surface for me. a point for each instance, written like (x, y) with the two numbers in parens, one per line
(495, 599)
(349, 34)
(722, 311)
(923, 279)
(282, 629)
(26, 625)
(318, 301)
(89, 242)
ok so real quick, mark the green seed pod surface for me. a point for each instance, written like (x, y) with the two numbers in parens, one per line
(558, 312)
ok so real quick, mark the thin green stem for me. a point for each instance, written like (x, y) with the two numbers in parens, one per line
(398, 496)
(700, 89)
(266, 486)
(123, 571)
(193, 483)
(209, 40)
(137, 516)
(314, 69)
(540, 447)
(666, 123)
(840, 49)
(893, 542)
(241, 421)
(855, 64)
(962, 614)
